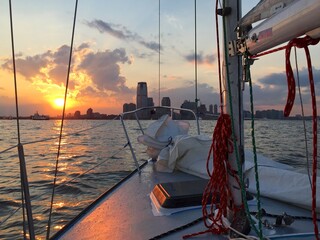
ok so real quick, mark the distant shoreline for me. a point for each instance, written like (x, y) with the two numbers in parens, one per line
(112, 117)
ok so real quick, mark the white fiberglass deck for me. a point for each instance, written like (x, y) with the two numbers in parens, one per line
(126, 213)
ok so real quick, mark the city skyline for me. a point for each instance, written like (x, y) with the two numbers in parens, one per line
(143, 100)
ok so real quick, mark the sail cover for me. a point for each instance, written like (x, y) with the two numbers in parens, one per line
(263, 10)
(277, 181)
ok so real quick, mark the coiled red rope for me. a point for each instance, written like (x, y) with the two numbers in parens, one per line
(217, 193)
(299, 43)
(304, 43)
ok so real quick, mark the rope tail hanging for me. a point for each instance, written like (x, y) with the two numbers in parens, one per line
(217, 192)
(304, 43)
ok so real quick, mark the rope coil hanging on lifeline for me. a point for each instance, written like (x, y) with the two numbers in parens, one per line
(304, 43)
(217, 192)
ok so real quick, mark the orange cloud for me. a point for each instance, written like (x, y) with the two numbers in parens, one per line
(94, 76)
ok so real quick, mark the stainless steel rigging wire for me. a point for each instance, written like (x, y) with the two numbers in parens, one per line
(25, 195)
(195, 56)
(62, 120)
(303, 116)
(159, 80)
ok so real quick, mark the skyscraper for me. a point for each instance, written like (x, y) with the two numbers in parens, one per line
(215, 112)
(143, 100)
(142, 95)
(166, 101)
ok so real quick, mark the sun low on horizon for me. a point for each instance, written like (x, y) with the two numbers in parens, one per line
(58, 103)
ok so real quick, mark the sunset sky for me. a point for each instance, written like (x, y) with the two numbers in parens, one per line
(115, 47)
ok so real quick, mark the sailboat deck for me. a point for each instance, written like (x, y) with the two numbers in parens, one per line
(126, 213)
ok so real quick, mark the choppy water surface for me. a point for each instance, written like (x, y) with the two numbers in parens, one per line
(93, 158)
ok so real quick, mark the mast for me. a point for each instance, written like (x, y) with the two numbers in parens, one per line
(232, 94)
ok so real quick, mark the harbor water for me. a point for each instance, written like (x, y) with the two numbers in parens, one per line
(94, 156)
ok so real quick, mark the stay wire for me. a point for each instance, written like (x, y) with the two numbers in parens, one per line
(17, 112)
(159, 56)
(240, 172)
(303, 116)
(62, 120)
(14, 74)
(248, 78)
(196, 56)
(219, 57)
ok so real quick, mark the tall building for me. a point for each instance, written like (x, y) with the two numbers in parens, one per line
(142, 95)
(166, 101)
(143, 100)
(211, 108)
(128, 107)
(188, 105)
(89, 113)
(215, 109)
(77, 114)
(202, 110)
(150, 102)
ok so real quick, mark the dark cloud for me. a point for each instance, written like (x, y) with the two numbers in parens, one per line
(265, 95)
(28, 66)
(104, 69)
(206, 94)
(61, 59)
(8, 108)
(268, 92)
(83, 46)
(90, 91)
(103, 27)
(56, 63)
(59, 74)
(280, 79)
(201, 58)
(272, 90)
(123, 33)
